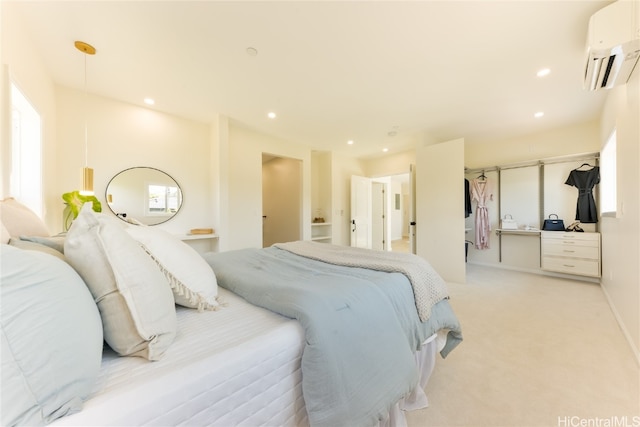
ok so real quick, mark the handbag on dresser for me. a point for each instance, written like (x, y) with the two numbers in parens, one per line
(553, 224)
(508, 223)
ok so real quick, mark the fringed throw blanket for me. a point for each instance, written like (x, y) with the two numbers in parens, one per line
(428, 287)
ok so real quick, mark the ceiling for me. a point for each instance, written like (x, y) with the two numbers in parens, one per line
(386, 74)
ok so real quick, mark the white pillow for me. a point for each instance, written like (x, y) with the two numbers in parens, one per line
(51, 338)
(20, 220)
(192, 280)
(134, 298)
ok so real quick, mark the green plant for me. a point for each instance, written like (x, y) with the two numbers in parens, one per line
(74, 201)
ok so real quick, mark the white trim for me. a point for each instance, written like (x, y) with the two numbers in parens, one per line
(625, 332)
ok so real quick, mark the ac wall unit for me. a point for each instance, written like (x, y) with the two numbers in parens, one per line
(613, 45)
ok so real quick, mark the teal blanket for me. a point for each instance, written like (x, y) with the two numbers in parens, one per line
(361, 328)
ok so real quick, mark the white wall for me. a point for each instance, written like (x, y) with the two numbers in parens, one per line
(439, 208)
(621, 235)
(393, 164)
(27, 71)
(120, 136)
(242, 152)
(321, 187)
(565, 141)
(342, 169)
(123, 135)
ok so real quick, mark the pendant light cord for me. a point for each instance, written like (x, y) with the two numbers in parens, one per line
(86, 133)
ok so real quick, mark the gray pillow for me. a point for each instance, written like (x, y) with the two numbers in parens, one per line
(33, 246)
(51, 338)
(54, 242)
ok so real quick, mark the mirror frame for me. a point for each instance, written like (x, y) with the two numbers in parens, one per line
(162, 218)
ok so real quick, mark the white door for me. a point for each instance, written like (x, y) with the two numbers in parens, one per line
(378, 220)
(360, 212)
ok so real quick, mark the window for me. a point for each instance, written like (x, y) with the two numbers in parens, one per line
(26, 152)
(163, 199)
(608, 199)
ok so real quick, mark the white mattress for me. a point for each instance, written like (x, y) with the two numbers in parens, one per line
(239, 366)
(236, 366)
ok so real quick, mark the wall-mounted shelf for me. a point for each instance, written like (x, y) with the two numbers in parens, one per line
(201, 242)
(520, 232)
(321, 231)
(197, 236)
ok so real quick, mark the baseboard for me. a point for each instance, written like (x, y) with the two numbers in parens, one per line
(621, 325)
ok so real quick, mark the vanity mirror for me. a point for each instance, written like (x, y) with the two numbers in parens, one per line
(143, 194)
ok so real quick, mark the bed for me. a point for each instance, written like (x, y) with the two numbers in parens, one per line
(234, 349)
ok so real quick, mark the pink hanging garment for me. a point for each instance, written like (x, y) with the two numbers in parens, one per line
(481, 192)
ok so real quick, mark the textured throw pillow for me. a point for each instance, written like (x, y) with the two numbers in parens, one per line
(192, 280)
(51, 338)
(134, 298)
(20, 220)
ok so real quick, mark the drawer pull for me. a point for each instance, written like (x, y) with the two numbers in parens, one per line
(567, 265)
(568, 242)
(568, 251)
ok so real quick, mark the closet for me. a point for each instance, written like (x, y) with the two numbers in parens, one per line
(529, 193)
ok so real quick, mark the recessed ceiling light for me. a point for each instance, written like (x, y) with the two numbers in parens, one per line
(543, 72)
(538, 114)
(350, 142)
(384, 150)
(149, 101)
(252, 51)
(271, 115)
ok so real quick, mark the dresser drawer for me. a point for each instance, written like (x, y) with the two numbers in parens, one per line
(581, 267)
(578, 238)
(571, 249)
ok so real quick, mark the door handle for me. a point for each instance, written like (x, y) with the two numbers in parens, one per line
(353, 221)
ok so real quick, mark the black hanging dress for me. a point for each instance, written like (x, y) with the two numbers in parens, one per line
(584, 181)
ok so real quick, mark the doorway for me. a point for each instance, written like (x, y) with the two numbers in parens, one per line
(281, 199)
(381, 212)
(378, 216)
(400, 215)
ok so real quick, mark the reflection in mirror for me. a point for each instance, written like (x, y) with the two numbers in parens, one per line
(143, 194)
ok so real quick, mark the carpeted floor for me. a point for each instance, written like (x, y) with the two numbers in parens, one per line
(537, 351)
(400, 245)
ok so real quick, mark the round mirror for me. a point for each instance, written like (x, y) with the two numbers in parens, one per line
(142, 194)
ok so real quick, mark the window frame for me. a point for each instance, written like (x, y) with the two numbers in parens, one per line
(609, 181)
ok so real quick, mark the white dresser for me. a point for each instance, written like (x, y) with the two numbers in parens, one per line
(571, 253)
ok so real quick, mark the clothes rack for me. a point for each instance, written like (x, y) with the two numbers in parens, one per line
(584, 164)
(547, 161)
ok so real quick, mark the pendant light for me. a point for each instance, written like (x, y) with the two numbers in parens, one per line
(87, 172)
